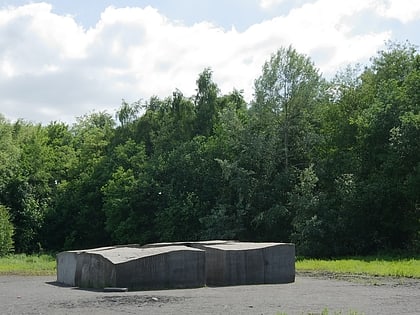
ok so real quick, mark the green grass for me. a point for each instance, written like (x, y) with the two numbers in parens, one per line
(21, 264)
(375, 266)
(27, 265)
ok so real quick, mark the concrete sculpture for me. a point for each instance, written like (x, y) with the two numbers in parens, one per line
(178, 265)
(236, 263)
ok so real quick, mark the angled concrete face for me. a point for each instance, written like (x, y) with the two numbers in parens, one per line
(133, 268)
(170, 267)
(66, 267)
(236, 263)
(178, 265)
(67, 264)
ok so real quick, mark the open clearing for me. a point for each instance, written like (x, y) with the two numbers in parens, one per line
(308, 295)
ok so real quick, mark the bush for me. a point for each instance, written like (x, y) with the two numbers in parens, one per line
(6, 232)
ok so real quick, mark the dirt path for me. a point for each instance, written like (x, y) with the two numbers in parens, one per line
(309, 294)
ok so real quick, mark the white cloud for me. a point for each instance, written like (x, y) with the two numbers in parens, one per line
(326, 26)
(403, 10)
(266, 4)
(53, 69)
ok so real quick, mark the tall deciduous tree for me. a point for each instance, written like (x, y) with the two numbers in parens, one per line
(206, 102)
(281, 136)
(287, 88)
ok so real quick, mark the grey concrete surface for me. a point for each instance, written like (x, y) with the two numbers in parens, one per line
(178, 265)
(133, 267)
(307, 295)
(188, 243)
(239, 263)
(67, 264)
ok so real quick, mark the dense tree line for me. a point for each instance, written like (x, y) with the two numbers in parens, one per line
(332, 165)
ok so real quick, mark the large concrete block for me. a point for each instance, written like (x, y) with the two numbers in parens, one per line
(133, 268)
(167, 267)
(67, 265)
(178, 265)
(236, 263)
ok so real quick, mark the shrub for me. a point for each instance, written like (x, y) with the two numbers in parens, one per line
(6, 232)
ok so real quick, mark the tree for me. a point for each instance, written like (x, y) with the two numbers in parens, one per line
(388, 145)
(309, 223)
(288, 87)
(9, 155)
(368, 161)
(206, 102)
(128, 113)
(129, 196)
(77, 217)
(6, 232)
(176, 118)
(28, 192)
(280, 137)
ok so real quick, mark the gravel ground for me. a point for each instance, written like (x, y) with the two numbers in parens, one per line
(308, 295)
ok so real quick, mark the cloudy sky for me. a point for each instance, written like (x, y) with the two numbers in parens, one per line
(60, 59)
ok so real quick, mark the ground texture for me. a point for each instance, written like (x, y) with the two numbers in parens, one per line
(310, 294)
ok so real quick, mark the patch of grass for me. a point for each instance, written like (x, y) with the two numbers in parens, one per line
(375, 266)
(28, 265)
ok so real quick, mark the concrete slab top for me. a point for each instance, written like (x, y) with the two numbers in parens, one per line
(93, 250)
(212, 242)
(118, 255)
(244, 246)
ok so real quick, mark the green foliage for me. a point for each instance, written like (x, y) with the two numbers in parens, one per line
(364, 164)
(76, 215)
(310, 229)
(285, 95)
(6, 232)
(27, 185)
(127, 196)
(206, 103)
(332, 166)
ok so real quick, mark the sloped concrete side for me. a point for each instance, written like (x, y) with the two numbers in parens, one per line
(66, 267)
(94, 271)
(178, 265)
(176, 269)
(68, 262)
(238, 264)
(135, 268)
(279, 263)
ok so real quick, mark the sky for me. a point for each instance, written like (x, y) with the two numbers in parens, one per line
(62, 59)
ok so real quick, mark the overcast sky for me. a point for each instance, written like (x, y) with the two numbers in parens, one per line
(60, 59)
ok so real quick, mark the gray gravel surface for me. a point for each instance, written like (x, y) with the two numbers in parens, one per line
(308, 295)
